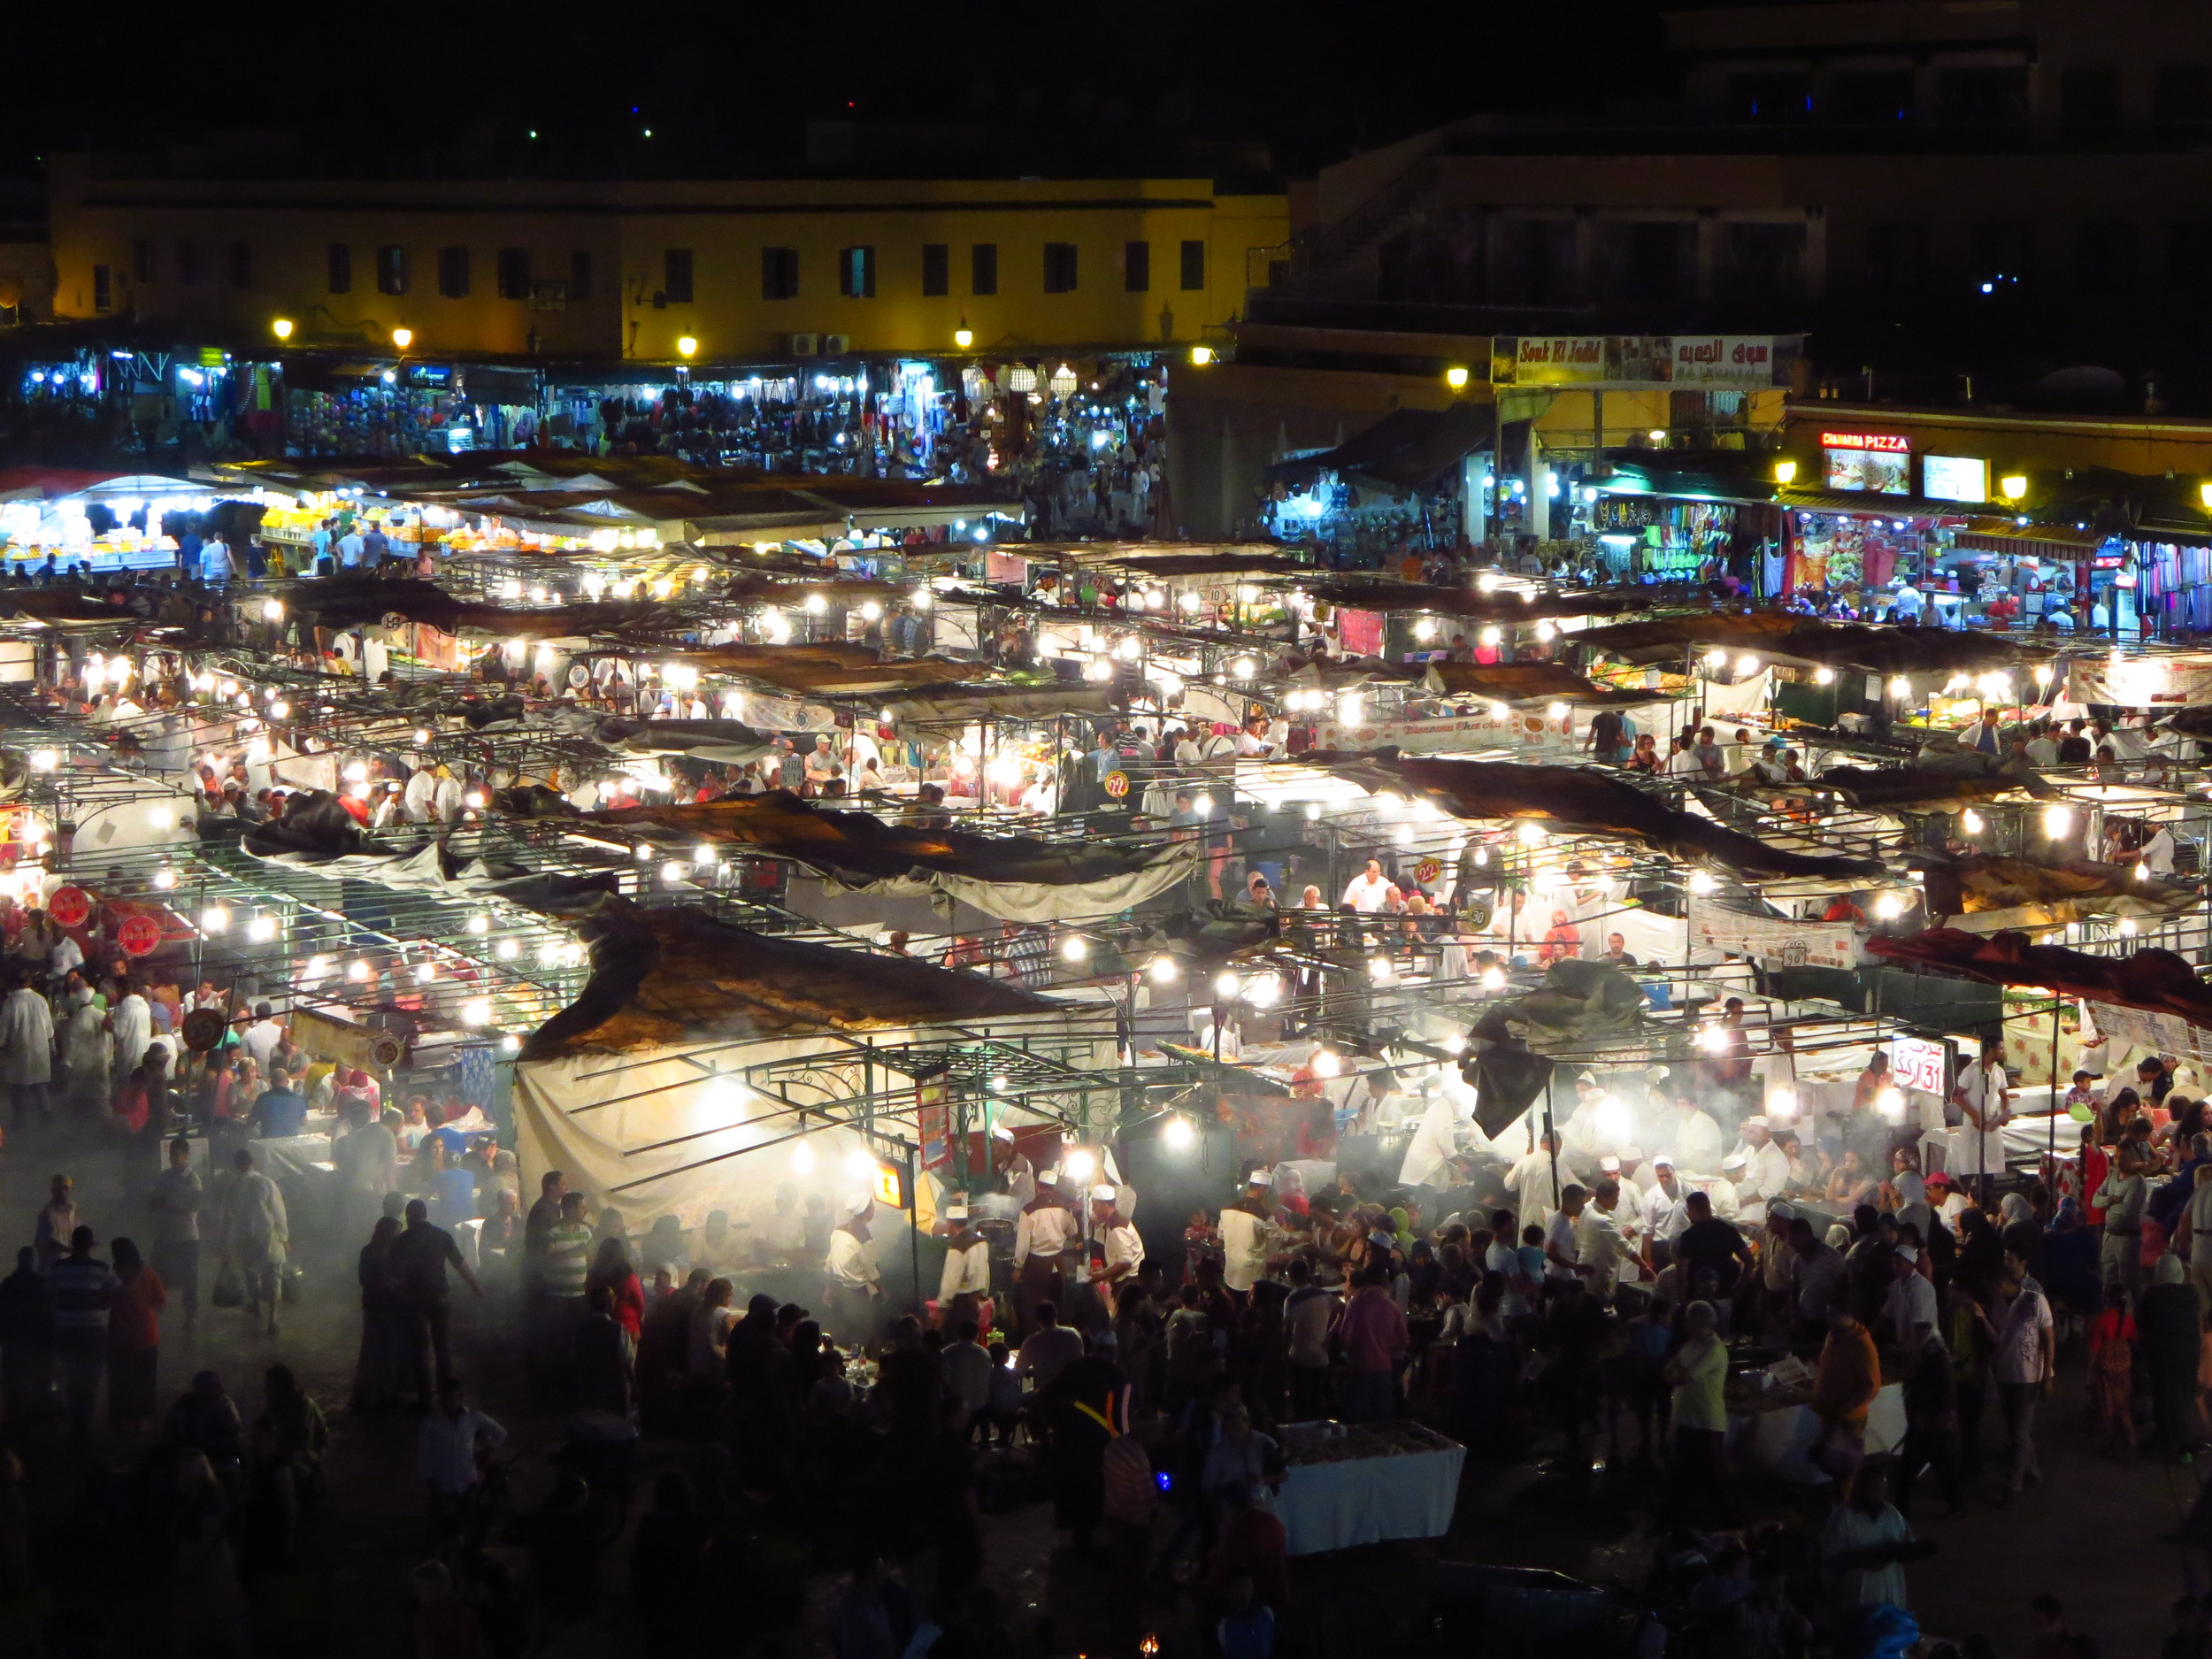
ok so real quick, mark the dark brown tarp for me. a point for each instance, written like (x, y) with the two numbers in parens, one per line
(1967, 775)
(1991, 881)
(2157, 981)
(669, 976)
(1591, 803)
(824, 669)
(1370, 593)
(1525, 682)
(860, 846)
(346, 602)
(1889, 650)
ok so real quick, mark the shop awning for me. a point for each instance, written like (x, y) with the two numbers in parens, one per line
(1404, 450)
(1871, 504)
(2034, 542)
(489, 383)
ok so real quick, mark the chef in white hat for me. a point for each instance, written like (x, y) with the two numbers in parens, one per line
(1117, 1252)
(1046, 1238)
(1727, 1202)
(967, 1273)
(855, 1283)
(1248, 1234)
(1766, 1166)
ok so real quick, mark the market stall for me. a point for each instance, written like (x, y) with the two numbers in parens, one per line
(1352, 1483)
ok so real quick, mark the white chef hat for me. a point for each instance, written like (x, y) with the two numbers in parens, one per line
(1906, 1254)
(1758, 1120)
(1608, 1165)
(1259, 1177)
(1632, 1155)
(1588, 1077)
(859, 1204)
(1049, 1178)
(1106, 1192)
(956, 1212)
(1733, 1161)
(1667, 1159)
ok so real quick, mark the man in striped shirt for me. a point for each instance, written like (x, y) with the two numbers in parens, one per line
(81, 1286)
(568, 1247)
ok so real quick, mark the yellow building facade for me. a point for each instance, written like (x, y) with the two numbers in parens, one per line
(602, 269)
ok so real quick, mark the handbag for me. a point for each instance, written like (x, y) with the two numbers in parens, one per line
(228, 1292)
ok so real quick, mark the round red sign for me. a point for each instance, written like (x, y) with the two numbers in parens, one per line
(139, 935)
(69, 907)
(1117, 784)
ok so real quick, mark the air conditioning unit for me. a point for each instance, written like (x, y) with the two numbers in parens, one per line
(836, 345)
(803, 345)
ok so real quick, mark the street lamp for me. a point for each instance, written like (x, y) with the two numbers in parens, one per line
(2013, 486)
(1786, 471)
(1455, 377)
(687, 348)
(403, 338)
(282, 327)
(963, 336)
(1202, 355)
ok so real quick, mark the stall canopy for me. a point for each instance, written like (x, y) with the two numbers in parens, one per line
(1012, 878)
(964, 703)
(1590, 803)
(1405, 449)
(2018, 892)
(1884, 650)
(659, 977)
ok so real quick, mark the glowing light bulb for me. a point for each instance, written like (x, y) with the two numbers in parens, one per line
(1889, 907)
(1325, 1064)
(1078, 1165)
(1701, 881)
(1162, 969)
(1891, 1103)
(1972, 821)
(1178, 1135)
(1076, 948)
(1226, 985)
(2057, 821)
(356, 971)
(803, 1159)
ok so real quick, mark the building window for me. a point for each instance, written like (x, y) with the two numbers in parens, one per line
(1985, 96)
(2089, 95)
(242, 264)
(1870, 98)
(514, 274)
(1768, 98)
(856, 272)
(779, 273)
(1194, 265)
(1136, 267)
(144, 258)
(188, 268)
(2004, 256)
(676, 276)
(2105, 259)
(391, 269)
(936, 268)
(453, 272)
(1059, 267)
(1762, 260)
(1897, 259)
(103, 289)
(579, 274)
(340, 267)
(2181, 95)
(983, 268)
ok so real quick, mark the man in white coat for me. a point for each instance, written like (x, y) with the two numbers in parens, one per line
(26, 1050)
(131, 1022)
(1665, 1213)
(1529, 1181)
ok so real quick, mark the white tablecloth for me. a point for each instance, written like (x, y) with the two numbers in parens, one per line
(1777, 1441)
(1365, 1500)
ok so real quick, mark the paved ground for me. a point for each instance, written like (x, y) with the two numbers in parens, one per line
(2089, 1532)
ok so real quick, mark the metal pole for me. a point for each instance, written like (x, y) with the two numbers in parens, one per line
(2051, 1136)
(1550, 1138)
(914, 1230)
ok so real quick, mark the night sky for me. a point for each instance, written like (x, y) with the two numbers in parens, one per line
(730, 88)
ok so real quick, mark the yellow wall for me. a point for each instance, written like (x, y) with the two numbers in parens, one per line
(626, 229)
